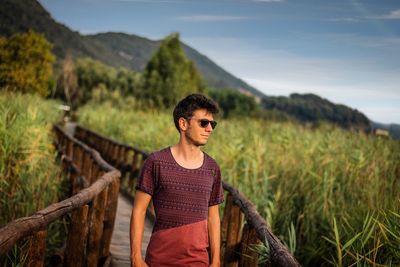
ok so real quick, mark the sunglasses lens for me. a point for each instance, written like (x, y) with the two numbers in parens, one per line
(204, 123)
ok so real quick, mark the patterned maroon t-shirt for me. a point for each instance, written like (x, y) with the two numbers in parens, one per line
(181, 198)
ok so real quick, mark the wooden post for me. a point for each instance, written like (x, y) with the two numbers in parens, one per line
(233, 236)
(96, 228)
(120, 157)
(75, 188)
(64, 165)
(87, 162)
(109, 217)
(77, 236)
(243, 246)
(90, 141)
(133, 175)
(37, 249)
(125, 156)
(94, 174)
(70, 148)
(224, 224)
(252, 241)
(61, 143)
(108, 153)
(103, 149)
(124, 165)
(77, 159)
(97, 142)
(82, 134)
(115, 155)
(248, 256)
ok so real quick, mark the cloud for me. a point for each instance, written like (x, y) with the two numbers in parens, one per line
(344, 19)
(360, 40)
(269, 1)
(394, 14)
(212, 18)
(149, 1)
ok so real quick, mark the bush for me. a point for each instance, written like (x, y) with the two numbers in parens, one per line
(26, 63)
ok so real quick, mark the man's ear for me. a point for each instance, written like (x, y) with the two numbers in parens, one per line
(183, 124)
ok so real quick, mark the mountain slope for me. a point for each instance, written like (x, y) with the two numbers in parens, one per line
(115, 49)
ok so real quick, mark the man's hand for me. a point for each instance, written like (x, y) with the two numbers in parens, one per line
(139, 263)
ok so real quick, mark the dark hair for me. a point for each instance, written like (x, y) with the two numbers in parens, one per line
(187, 106)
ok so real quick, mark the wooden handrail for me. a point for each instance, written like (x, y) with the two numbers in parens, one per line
(26, 226)
(279, 254)
(93, 208)
(126, 159)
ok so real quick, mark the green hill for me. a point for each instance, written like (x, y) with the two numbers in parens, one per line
(312, 108)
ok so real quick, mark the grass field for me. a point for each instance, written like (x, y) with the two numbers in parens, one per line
(331, 195)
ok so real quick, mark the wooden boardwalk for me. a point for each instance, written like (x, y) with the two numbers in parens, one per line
(120, 243)
(120, 246)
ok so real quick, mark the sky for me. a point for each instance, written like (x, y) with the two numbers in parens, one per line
(347, 51)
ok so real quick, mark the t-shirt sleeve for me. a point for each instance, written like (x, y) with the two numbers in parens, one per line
(147, 177)
(217, 191)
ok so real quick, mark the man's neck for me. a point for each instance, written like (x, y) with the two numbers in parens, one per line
(187, 151)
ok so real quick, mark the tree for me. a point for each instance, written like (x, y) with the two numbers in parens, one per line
(91, 74)
(26, 63)
(169, 76)
(235, 103)
(67, 83)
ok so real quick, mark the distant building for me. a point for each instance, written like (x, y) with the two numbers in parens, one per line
(381, 132)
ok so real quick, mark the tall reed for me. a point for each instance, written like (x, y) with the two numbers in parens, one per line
(29, 177)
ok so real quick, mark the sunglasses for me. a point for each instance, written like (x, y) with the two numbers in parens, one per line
(204, 123)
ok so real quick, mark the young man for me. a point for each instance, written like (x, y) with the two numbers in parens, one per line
(185, 186)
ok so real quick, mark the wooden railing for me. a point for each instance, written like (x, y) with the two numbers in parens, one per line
(95, 186)
(236, 241)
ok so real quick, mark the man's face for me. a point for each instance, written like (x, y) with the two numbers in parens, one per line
(196, 134)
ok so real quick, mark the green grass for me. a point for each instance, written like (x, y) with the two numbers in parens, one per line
(331, 195)
(29, 176)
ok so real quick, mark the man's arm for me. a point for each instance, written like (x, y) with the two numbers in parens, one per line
(214, 226)
(141, 202)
